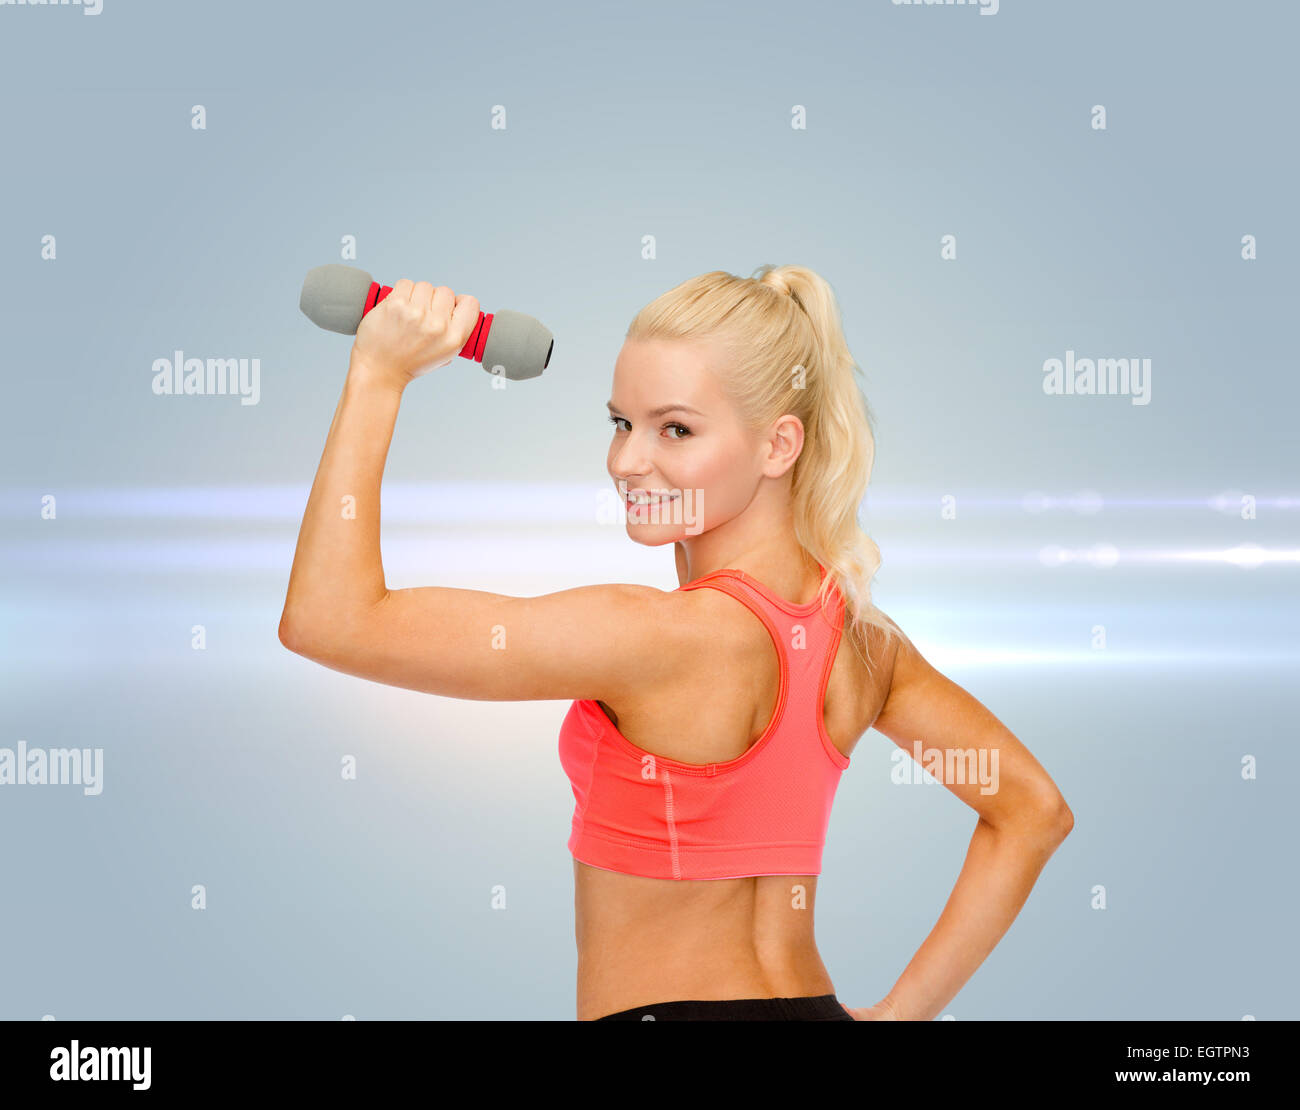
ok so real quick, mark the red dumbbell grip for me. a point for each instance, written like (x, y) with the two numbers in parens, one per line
(472, 350)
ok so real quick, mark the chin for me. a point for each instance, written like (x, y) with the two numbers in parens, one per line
(654, 535)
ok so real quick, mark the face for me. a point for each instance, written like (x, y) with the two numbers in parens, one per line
(678, 439)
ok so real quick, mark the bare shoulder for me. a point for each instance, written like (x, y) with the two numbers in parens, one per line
(676, 641)
(884, 651)
(713, 619)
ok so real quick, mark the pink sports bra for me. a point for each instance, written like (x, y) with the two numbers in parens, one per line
(763, 813)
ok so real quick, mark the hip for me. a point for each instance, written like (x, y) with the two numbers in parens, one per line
(709, 975)
(824, 1007)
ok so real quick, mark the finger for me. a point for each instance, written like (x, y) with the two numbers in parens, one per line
(440, 304)
(402, 289)
(422, 294)
(464, 316)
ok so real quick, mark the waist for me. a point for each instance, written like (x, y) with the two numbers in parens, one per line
(652, 940)
(611, 981)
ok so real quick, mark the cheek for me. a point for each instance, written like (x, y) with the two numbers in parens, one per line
(721, 474)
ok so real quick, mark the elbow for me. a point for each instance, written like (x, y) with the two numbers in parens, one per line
(1038, 817)
(288, 636)
(291, 635)
(1055, 818)
(1039, 814)
(322, 636)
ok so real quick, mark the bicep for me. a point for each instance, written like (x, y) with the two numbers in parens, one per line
(580, 643)
(1004, 783)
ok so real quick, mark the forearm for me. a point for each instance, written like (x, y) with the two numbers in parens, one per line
(1000, 870)
(337, 569)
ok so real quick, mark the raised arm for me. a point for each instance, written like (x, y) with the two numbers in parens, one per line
(591, 642)
(1020, 825)
(600, 642)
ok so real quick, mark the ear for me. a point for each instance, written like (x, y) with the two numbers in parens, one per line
(785, 444)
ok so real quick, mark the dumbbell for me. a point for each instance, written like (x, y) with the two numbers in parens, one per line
(336, 297)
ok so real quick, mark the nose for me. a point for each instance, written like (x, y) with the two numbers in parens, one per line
(627, 463)
(626, 480)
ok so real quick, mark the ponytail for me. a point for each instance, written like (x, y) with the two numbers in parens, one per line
(782, 330)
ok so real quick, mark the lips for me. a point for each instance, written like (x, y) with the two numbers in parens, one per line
(655, 499)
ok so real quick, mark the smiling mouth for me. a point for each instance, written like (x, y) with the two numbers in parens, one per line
(657, 500)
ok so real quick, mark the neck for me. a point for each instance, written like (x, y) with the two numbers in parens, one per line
(781, 564)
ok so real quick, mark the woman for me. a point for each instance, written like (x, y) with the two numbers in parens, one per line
(709, 724)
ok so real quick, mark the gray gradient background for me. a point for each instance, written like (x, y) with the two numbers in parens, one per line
(373, 898)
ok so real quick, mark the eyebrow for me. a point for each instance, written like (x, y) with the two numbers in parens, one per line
(663, 410)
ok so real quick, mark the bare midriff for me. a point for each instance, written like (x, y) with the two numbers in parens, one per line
(644, 940)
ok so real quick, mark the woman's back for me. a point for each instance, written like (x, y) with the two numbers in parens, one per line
(643, 940)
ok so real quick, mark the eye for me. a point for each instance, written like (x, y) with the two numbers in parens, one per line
(616, 420)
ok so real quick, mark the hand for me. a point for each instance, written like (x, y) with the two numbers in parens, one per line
(881, 1011)
(413, 330)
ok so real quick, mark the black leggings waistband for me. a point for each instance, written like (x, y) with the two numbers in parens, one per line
(821, 1007)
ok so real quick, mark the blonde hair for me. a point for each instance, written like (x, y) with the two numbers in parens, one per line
(787, 354)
